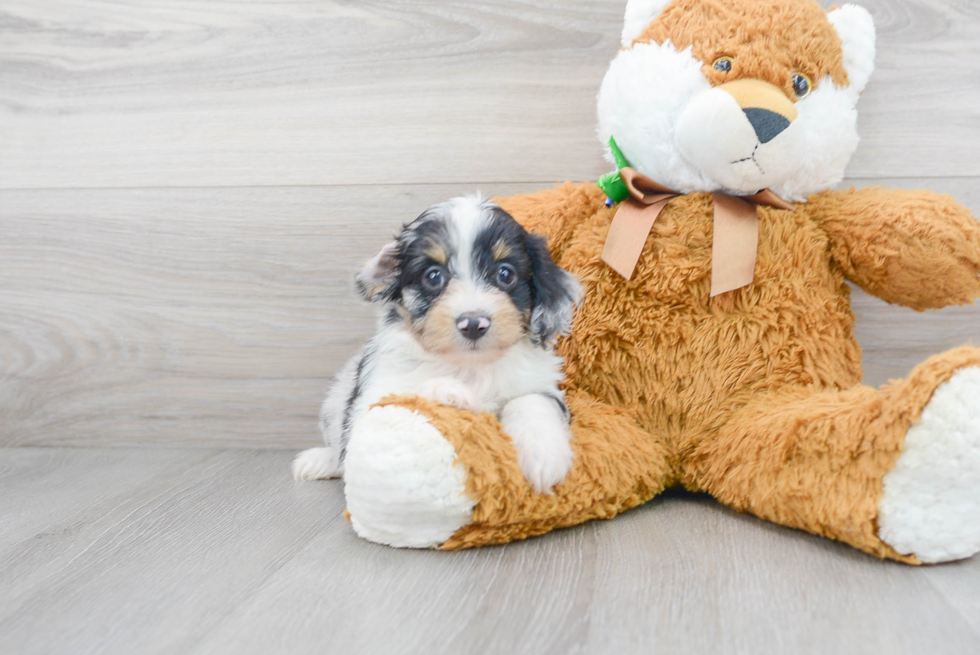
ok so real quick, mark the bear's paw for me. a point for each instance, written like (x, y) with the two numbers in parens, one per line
(930, 507)
(402, 483)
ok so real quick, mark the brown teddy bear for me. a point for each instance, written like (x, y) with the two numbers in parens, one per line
(715, 347)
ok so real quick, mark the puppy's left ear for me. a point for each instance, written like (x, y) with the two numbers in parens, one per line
(378, 279)
(556, 293)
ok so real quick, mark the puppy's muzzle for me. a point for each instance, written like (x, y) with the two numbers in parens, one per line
(472, 326)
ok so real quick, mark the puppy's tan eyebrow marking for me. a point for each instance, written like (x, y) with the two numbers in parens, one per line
(436, 252)
(501, 250)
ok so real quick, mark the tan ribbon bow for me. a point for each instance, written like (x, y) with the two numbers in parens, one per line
(734, 245)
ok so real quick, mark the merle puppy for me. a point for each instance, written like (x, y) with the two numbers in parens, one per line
(470, 303)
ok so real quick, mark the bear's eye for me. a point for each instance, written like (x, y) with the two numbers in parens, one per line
(723, 64)
(801, 85)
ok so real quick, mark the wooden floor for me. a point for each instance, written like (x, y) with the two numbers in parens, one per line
(217, 551)
(185, 191)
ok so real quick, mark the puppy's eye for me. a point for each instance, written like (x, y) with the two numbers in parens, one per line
(801, 85)
(434, 278)
(723, 64)
(506, 276)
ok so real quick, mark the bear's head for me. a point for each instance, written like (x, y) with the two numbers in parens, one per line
(738, 95)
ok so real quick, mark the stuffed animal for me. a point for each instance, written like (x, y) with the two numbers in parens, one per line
(715, 347)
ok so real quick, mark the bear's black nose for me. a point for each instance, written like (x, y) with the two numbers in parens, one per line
(472, 326)
(767, 124)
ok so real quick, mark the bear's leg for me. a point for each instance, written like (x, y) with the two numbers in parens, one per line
(421, 475)
(894, 472)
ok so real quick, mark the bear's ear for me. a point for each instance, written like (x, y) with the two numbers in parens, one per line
(639, 14)
(856, 29)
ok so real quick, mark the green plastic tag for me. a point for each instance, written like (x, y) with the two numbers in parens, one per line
(618, 155)
(612, 183)
(614, 187)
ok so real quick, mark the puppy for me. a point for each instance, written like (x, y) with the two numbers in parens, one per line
(470, 303)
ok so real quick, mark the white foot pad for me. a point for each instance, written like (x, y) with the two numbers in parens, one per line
(931, 502)
(402, 483)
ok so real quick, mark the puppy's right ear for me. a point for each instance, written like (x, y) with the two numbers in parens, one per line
(556, 293)
(378, 280)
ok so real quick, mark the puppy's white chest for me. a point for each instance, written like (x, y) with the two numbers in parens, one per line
(525, 369)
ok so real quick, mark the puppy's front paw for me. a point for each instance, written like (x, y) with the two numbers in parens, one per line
(542, 439)
(450, 391)
(545, 464)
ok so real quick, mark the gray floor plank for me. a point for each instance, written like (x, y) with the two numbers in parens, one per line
(52, 492)
(144, 571)
(525, 598)
(710, 576)
(959, 583)
(226, 554)
(169, 93)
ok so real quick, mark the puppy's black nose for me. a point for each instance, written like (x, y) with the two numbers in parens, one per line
(767, 124)
(473, 326)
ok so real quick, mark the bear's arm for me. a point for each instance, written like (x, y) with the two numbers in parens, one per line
(554, 213)
(914, 248)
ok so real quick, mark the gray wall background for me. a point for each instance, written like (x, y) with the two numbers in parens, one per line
(187, 188)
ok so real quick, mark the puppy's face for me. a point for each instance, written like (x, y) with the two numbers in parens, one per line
(471, 282)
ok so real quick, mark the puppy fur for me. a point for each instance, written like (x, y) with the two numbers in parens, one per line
(470, 303)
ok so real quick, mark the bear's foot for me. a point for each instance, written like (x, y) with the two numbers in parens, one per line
(419, 474)
(894, 471)
(930, 507)
(403, 485)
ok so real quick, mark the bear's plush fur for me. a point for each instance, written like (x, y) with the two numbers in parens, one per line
(754, 395)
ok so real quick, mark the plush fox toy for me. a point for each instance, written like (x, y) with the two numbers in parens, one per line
(715, 347)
